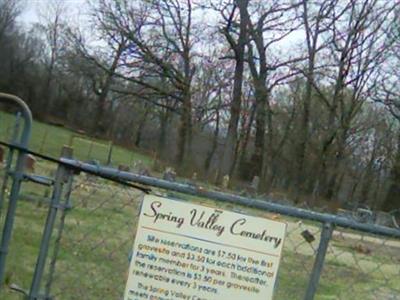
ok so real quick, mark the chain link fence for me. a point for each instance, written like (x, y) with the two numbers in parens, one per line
(92, 241)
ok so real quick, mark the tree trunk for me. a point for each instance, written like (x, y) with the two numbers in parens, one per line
(47, 89)
(368, 177)
(214, 145)
(327, 155)
(257, 159)
(243, 167)
(227, 159)
(185, 128)
(333, 187)
(100, 124)
(185, 132)
(303, 138)
(162, 139)
(142, 122)
(392, 200)
(312, 34)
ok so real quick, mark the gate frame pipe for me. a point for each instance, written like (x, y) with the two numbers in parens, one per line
(326, 235)
(17, 176)
(9, 161)
(61, 179)
(263, 204)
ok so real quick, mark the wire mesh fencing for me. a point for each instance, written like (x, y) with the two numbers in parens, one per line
(357, 265)
(94, 249)
(93, 241)
(362, 266)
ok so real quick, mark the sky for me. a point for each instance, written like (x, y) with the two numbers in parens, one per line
(74, 8)
(32, 8)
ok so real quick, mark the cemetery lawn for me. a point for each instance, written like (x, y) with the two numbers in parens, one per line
(49, 139)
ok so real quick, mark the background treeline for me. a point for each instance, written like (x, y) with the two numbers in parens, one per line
(303, 94)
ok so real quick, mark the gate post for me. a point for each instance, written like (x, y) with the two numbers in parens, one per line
(326, 234)
(17, 179)
(9, 160)
(62, 177)
(64, 207)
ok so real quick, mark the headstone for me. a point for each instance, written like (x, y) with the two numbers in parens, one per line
(333, 206)
(137, 166)
(383, 219)
(30, 161)
(140, 168)
(1, 154)
(364, 249)
(144, 172)
(123, 168)
(225, 181)
(255, 183)
(169, 174)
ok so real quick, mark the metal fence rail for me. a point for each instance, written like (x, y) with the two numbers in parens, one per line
(264, 204)
(75, 223)
(17, 174)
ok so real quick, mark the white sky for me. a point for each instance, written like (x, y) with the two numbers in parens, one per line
(75, 9)
(31, 9)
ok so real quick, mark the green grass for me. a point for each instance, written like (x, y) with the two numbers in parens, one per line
(49, 139)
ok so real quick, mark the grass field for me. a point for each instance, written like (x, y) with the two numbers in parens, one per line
(49, 139)
(98, 233)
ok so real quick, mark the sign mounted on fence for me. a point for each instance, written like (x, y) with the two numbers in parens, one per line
(188, 251)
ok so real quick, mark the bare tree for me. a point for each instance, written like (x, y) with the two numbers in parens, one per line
(9, 10)
(101, 59)
(160, 41)
(51, 25)
(211, 99)
(233, 12)
(314, 17)
(356, 49)
(269, 23)
(387, 91)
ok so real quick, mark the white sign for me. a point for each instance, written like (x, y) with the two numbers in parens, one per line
(192, 252)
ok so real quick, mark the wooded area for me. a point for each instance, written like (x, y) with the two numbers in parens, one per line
(303, 94)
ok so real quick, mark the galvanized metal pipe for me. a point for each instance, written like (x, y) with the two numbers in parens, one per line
(14, 139)
(57, 243)
(220, 196)
(326, 235)
(47, 232)
(17, 178)
(26, 115)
